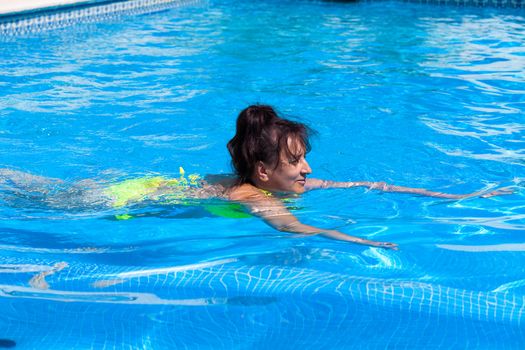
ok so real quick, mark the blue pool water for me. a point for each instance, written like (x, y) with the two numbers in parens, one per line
(415, 95)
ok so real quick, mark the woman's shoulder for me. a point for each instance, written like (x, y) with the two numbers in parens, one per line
(220, 186)
(231, 189)
(243, 192)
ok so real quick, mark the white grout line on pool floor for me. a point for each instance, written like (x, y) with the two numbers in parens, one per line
(11, 7)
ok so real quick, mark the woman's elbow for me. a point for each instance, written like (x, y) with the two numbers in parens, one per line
(295, 227)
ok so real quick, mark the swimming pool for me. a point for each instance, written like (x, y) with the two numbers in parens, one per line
(415, 95)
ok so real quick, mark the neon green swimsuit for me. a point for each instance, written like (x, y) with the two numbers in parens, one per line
(146, 188)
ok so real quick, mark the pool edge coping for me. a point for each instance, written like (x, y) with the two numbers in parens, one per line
(21, 8)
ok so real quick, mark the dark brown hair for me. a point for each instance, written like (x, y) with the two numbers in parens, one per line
(262, 135)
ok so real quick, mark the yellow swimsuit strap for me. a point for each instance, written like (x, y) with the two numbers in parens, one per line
(266, 193)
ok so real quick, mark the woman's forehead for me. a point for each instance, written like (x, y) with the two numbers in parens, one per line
(295, 144)
(294, 147)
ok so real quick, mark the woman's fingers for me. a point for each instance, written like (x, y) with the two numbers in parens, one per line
(501, 192)
(386, 245)
(389, 245)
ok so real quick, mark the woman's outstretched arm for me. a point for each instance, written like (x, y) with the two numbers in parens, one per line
(274, 213)
(313, 184)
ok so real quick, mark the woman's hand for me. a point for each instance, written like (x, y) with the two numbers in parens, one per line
(386, 245)
(505, 191)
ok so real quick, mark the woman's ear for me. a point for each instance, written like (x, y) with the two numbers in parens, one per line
(261, 172)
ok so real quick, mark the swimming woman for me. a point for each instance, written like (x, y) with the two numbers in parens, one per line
(269, 158)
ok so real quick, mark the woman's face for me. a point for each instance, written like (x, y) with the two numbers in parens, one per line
(290, 174)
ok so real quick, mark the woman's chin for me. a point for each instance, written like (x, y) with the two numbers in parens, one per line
(299, 190)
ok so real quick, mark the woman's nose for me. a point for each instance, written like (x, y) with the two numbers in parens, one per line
(306, 168)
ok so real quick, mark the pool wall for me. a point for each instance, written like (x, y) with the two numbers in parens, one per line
(49, 15)
(10, 8)
(26, 16)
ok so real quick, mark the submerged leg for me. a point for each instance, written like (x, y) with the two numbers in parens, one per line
(26, 181)
(20, 189)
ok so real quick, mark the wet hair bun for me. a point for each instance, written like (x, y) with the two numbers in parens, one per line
(255, 117)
